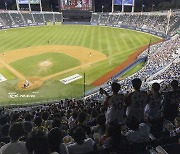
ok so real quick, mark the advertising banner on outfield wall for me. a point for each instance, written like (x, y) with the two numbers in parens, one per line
(137, 29)
(22, 25)
(31, 1)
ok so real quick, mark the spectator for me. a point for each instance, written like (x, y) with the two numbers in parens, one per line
(81, 144)
(138, 132)
(114, 141)
(115, 111)
(15, 146)
(72, 119)
(136, 101)
(5, 134)
(38, 124)
(81, 123)
(28, 126)
(153, 108)
(37, 143)
(171, 102)
(55, 142)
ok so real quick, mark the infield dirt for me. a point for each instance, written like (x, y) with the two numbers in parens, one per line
(85, 55)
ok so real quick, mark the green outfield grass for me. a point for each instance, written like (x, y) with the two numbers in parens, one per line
(116, 43)
(133, 70)
(58, 62)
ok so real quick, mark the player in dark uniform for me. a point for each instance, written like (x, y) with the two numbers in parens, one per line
(171, 102)
(136, 101)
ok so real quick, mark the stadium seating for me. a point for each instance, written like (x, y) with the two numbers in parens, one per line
(58, 18)
(49, 17)
(161, 59)
(24, 18)
(39, 18)
(5, 17)
(156, 22)
(17, 18)
(1, 22)
(28, 18)
(56, 124)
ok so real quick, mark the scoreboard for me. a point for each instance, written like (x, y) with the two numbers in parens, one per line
(76, 4)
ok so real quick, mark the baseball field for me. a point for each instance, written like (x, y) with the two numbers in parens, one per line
(50, 56)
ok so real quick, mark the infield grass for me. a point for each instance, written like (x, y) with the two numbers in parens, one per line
(117, 44)
(44, 64)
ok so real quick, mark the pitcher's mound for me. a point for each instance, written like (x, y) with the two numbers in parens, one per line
(45, 63)
(33, 84)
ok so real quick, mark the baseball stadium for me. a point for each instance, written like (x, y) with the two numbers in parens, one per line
(65, 55)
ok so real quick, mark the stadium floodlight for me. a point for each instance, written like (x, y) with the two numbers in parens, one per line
(152, 7)
(142, 7)
(102, 8)
(5, 5)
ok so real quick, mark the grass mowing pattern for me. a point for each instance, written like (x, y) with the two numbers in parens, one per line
(105, 39)
(7, 74)
(59, 62)
(117, 43)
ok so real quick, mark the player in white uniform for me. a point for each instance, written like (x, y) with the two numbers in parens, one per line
(154, 106)
(136, 101)
(116, 103)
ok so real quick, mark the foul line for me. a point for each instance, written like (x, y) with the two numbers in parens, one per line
(21, 77)
(11, 69)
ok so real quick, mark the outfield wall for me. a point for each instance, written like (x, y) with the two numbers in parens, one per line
(23, 25)
(126, 69)
(136, 29)
(144, 59)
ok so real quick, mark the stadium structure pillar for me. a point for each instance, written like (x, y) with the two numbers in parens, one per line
(133, 5)
(112, 6)
(168, 21)
(84, 85)
(17, 4)
(40, 3)
(93, 6)
(59, 5)
(122, 6)
(29, 5)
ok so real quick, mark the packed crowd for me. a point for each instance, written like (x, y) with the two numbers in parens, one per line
(129, 120)
(172, 72)
(132, 123)
(15, 18)
(161, 56)
(156, 23)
